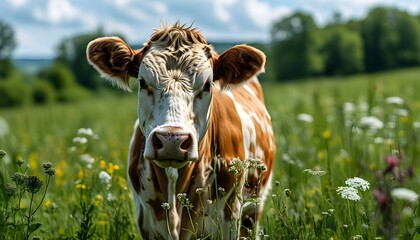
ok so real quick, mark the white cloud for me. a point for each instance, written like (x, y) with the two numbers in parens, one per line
(57, 11)
(160, 8)
(221, 9)
(263, 14)
(18, 3)
(121, 3)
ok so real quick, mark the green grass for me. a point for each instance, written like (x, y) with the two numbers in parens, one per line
(334, 142)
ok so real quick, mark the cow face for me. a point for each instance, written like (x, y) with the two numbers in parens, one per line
(176, 71)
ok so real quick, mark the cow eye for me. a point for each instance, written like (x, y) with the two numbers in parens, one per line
(207, 86)
(142, 83)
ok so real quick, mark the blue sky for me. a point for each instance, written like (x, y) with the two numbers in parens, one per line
(41, 24)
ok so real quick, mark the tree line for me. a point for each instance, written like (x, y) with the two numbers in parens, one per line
(387, 38)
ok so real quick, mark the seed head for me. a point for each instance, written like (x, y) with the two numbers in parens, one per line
(182, 197)
(165, 206)
(2, 154)
(50, 171)
(33, 184)
(19, 178)
(20, 162)
(47, 165)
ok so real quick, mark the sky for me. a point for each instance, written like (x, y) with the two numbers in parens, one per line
(40, 25)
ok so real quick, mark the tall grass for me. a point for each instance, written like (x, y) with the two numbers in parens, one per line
(321, 138)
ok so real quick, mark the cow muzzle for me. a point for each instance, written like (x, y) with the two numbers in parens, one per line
(171, 147)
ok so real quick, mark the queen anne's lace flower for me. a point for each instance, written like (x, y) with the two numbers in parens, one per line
(358, 183)
(348, 193)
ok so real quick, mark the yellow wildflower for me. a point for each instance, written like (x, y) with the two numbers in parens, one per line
(326, 134)
(81, 174)
(47, 203)
(372, 166)
(321, 155)
(98, 199)
(102, 164)
(81, 186)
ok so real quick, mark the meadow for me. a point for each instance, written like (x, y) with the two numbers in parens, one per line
(345, 167)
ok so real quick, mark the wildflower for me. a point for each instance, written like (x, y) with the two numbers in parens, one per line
(80, 140)
(165, 206)
(110, 197)
(416, 124)
(314, 172)
(20, 162)
(33, 184)
(182, 197)
(348, 107)
(255, 163)
(47, 165)
(81, 186)
(209, 201)
(382, 199)
(105, 177)
(9, 189)
(370, 122)
(287, 192)
(18, 178)
(304, 117)
(2, 154)
(348, 193)
(102, 164)
(199, 190)
(326, 134)
(98, 199)
(392, 162)
(220, 189)
(236, 166)
(357, 183)
(36, 238)
(394, 100)
(402, 112)
(404, 194)
(50, 171)
(85, 131)
(87, 158)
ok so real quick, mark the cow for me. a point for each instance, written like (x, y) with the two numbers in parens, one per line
(200, 117)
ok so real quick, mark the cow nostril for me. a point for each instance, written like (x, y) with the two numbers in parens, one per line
(157, 144)
(186, 145)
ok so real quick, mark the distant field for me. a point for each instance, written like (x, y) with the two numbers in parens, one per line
(330, 140)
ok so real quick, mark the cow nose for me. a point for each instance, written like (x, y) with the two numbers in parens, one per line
(172, 141)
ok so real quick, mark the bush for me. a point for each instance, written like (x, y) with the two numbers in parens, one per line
(43, 92)
(13, 93)
(58, 75)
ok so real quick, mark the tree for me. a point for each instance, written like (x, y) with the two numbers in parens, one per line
(72, 52)
(342, 51)
(7, 45)
(7, 40)
(295, 46)
(391, 38)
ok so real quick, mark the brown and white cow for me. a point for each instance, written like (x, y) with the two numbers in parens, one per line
(196, 112)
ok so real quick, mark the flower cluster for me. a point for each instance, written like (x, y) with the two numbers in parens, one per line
(350, 192)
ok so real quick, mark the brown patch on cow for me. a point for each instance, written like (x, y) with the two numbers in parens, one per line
(136, 164)
(157, 209)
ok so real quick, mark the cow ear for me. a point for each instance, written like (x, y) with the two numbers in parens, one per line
(238, 64)
(114, 60)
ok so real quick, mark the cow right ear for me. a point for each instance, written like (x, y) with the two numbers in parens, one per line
(114, 60)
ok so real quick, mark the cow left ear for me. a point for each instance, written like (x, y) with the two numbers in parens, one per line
(238, 64)
(114, 59)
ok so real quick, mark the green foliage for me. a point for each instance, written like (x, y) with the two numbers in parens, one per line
(6, 68)
(391, 39)
(342, 51)
(72, 52)
(62, 79)
(7, 40)
(295, 47)
(13, 92)
(43, 92)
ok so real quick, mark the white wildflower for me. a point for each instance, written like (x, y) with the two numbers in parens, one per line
(416, 124)
(348, 193)
(105, 177)
(357, 183)
(348, 107)
(81, 140)
(363, 106)
(404, 194)
(87, 158)
(394, 100)
(199, 190)
(391, 124)
(402, 112)
(165, 206)
(304, 117)
(379, 140)
(370, 122)
(4, 127)
(110, 197)
(209, 201)
(314, 172)
(85, 131)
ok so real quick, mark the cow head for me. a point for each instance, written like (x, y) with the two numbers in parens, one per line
(176, 72)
